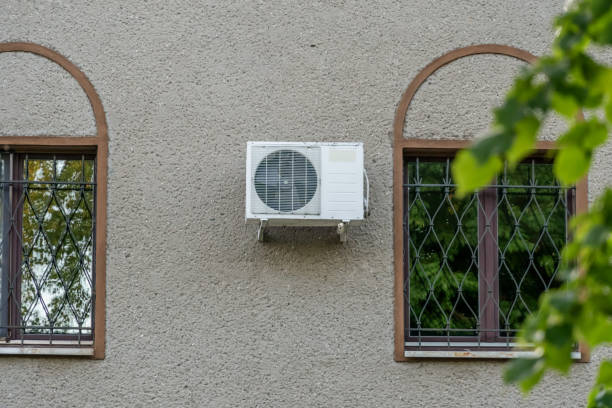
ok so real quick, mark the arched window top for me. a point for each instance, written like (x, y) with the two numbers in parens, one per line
(73, 172)
(432, 67)
(76, 73)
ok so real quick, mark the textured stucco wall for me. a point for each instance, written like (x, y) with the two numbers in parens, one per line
(199, 313)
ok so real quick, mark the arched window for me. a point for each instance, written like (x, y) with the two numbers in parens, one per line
(53, 227)
(469, 271)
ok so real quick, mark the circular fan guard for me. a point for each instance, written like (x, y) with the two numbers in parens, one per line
(285, 180)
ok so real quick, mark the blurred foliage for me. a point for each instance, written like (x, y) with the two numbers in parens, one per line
(566, 81)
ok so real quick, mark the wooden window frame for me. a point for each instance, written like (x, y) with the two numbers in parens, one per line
(97, 145)
(432, 147)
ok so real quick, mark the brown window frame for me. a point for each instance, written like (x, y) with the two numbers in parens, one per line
(429, 147)
(96, 145)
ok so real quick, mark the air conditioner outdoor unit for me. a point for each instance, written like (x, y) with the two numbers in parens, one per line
(305, 184)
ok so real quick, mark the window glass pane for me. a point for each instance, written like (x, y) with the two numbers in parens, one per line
(57, 246)
(442, 254)
(477, 266)
(532, 231)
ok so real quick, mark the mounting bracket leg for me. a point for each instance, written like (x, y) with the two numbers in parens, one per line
(342, 231)
(260, 230)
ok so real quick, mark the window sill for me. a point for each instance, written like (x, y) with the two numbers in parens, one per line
(576, 355)
(58, 348)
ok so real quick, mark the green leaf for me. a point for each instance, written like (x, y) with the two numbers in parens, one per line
(608, 109)
(555, 69)
(601, 395)
(595, 328)
(602, 275)
(596, 236)
(600, 398)
(603, 399)
(524, 140)
(509, 113)
(494, 144)
(565, 104)
(574, 136)
(525, 371)
(605, 374)
(570, 165)
(600, 7)
(564, 301)
(586, 135)
(470, 174)
(528, 383)
(559, 335)
(601, 29)
(597, 135)
(558, 355)
(571, 42)
(521, 369)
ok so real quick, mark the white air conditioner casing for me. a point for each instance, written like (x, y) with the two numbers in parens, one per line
(304, 184)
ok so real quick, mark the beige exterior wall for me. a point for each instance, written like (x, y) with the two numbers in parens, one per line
(198, 312)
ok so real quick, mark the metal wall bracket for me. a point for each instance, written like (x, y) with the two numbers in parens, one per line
(261, 229)
(342, 231)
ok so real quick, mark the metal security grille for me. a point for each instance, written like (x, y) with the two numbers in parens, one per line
(48, 236)
(475, 267)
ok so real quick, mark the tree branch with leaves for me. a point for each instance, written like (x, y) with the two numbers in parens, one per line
(568, 81)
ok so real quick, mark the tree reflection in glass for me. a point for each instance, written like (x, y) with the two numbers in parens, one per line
(443, 240)
(445, 287)
(532, 230)
(57, 246)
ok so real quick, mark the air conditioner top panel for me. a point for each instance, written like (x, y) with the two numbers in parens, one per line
(309, 144)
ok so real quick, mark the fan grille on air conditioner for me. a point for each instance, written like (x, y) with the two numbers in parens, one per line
(286, 181)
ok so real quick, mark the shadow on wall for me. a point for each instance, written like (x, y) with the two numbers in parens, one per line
(291, 236)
